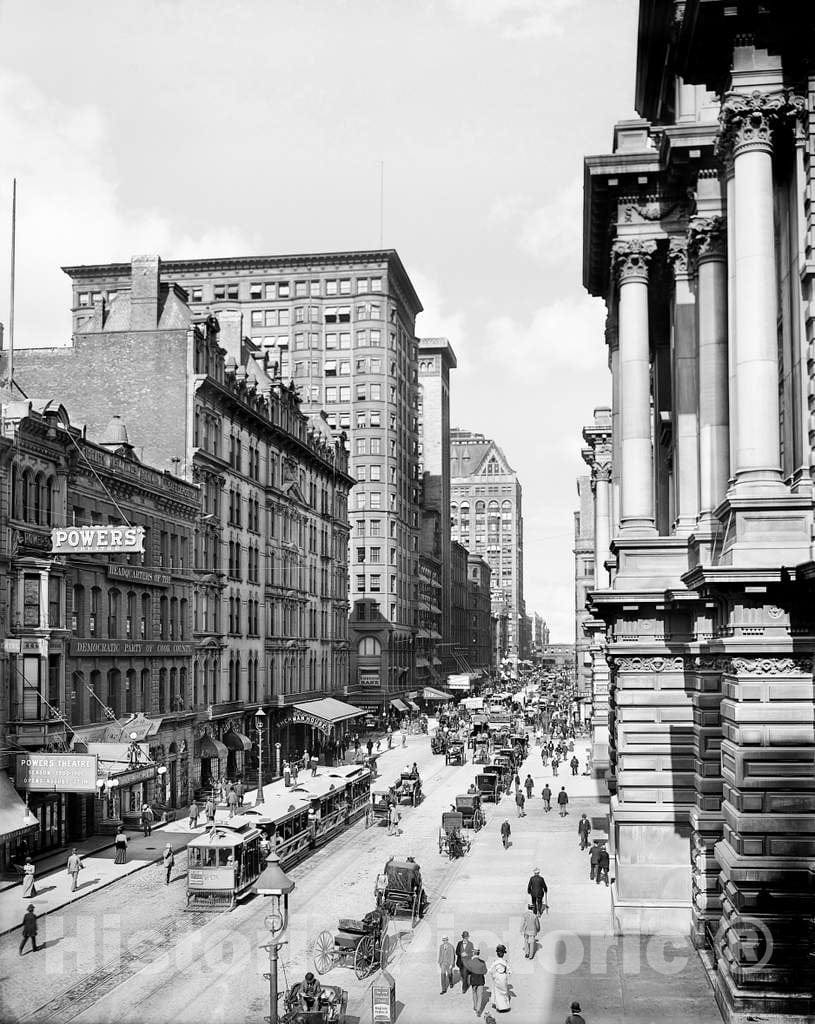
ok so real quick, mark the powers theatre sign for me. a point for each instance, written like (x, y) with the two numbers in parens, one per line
(97, 539)
(57, 773)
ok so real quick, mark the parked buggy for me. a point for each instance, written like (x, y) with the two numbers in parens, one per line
(481, 750)
(456, 753)
(452, 839)
(330, 1007)
(399, 888)
(410, 789)
(382, 796)
(469, 806)
(438, 742)
(489, 787)
(359, 944)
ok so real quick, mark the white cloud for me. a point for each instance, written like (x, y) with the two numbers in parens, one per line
(69, 210)
(551, 233)
(437, 320)
(518, 19)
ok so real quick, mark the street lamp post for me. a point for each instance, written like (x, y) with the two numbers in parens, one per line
(259, 716)
(275, 884)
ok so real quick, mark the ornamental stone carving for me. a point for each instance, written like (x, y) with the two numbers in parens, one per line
(707, 239)
(631, 259)
(771, 666)
(678, 256)
(654, 664)
(747, 120)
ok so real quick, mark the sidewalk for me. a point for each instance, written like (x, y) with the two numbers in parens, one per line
(616, 979)
(53, 883)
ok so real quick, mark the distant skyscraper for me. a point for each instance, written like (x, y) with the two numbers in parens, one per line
(487, 518)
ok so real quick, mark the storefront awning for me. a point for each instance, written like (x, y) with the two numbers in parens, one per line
(399, 704)
(411, 704)
(15, 817)
(329, 710)
(208, 747)
(236, 741)
(431, 693)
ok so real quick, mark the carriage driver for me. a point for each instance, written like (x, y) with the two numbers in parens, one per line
(310, 991)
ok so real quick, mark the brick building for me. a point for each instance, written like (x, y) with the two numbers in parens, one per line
(479, 648)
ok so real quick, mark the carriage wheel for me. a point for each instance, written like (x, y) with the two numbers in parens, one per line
(365, 956)
(441, 842)
(478, 820)
(414, 910)
(384, 951)
(324, 954)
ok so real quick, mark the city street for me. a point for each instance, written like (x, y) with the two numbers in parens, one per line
(132, 953)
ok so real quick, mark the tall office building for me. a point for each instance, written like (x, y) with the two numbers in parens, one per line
(486, 516)
(342, 327)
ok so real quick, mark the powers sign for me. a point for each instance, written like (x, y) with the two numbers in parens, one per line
(57, 773)
(98, 539)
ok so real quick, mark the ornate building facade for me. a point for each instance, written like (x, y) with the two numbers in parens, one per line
(699, 237)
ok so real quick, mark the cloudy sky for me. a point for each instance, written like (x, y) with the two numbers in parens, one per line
(194, 128)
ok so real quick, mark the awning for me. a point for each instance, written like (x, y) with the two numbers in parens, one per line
(399, 704)
(329, 709)
(15, 817)
(236, 741)
(208, 747)
(422, 663)
(412, 704)
(431, 693)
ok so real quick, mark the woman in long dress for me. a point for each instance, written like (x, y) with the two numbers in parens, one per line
(29, 871)
(121, 848)
(499, 970)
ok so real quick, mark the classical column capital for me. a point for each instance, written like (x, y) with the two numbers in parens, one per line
(707, 239)
(747, 120)
(632, 257)
(678, 255)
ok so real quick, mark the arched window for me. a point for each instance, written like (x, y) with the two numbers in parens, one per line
(94, 708)
(369, 647)
(130, 616)
(113, 613)
(173, 618)
(162, 690)
(39, 494)
(78, 610)
(163, 626)
(183, 698)
(26, 495)
(93, 617)
(14, 492)
(145, 631)
(50, 486)
(182, 618)
(196, 684)
(174, 689)
(480, 508)
(130, 690)
(207, 671)
(145, 697)
(231, 679)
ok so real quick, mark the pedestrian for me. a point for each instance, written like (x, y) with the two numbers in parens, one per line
(193, 813)
(29, 871)
(168, 860)
(603, 865)
(537, 890)
(447, 961)
(477, 976)
(370, 746)
(287, 772)
(315, 763)
(574, 764)
(529, 785)
(395, 818)
(505, 834)
(404, 739)
(356, 742)
(120, 842)
(546, 795)
(576, 1015)
(29, 929)
(555, 763)
(594, 858)
(209, 811)
(583, 830)
(499, 969)
(517, 781)
(240, 789)
(530, 926)
(390, 738)
(562, 801)
(519, 803)
(305, 761)
(74, 866)
(378, 745)
(295, 770)
(232, 801)
(464, 948)
(147, 818)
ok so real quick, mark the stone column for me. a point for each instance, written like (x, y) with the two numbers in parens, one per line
(601, 481)
(747, 129)
(632, 258)
(707, 236)
(685, 392)
(614, 366)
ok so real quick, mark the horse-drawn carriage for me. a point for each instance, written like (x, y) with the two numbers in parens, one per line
(438, 741)
(481, 749)
(489, 786)
(382, 796)
(361, 944)
(469, 806)
(456, 753)
(452, 839)
(399, 889)
(410, 789)
(328, 1008)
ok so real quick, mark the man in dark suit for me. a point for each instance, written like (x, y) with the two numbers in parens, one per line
(537, 890)
(464, 949)
(29, 928)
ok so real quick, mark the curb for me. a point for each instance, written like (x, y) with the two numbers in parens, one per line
(89, 892)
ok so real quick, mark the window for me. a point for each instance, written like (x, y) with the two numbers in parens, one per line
(345, 286)
(376, 394)
(330, 367)
(300, 289)
(255, 291)
(345, 368)
(197, 294)
(376, 583)
(360, 554)
(345, 340)
(331, 341)
(31, 600)
(361, 582)
(376, 527)
(369, 647)
(362, 393)
(361, 445)
(345, 394)
(360, 473)
(314, 290)
(283, 317)
(376, 499)
(283, 290)
(376, 445)
(362, 339)
(330, 394)
(376, 366)
(219, 292)
(362, 420)
(54, 603)
(376, 338)
(376, 418)
(376, 472)
(232, 291)
(331, 287)
(376, 555)
(376, 284)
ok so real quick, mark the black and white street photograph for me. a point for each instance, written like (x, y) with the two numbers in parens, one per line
(407, 512)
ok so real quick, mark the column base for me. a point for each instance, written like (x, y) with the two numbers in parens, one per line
(648, 562)
(648, 917)
(766, 1006)
(765, 530)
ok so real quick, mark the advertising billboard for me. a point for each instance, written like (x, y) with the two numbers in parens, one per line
(57, 773)
(97, 539)
(459, 682)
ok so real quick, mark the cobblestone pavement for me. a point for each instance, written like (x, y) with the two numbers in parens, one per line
(131, 951)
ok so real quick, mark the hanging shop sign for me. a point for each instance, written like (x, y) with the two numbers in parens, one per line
(297, 717)
(57, 773)
(97, 539)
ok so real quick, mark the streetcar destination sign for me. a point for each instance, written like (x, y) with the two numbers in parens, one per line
(97, 539)
(57, 773)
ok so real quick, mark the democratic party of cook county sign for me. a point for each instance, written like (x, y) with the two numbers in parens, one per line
(57, 773)
(98, 539)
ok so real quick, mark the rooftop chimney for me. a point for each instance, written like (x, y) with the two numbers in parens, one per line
(144, 292)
